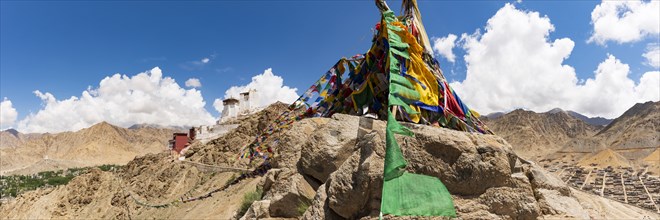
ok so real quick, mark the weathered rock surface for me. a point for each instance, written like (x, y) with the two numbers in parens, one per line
(338, 138)
(478, 170)
(258, 210)
(324, 168)
(289, 193)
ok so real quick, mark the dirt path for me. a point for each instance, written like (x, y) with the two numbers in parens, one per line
(625, 194)
(586, 179)
(602, 189)
(648, 193)
(562, 171)
(568, 177)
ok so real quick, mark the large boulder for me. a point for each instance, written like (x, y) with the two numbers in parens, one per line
(329, 146)
(289, 195)
(358, 181)
(467, 163)
(258, 210)
(288, 147)
(320, 206)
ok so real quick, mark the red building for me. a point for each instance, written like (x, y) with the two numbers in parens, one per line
(181, 141)
(178, 142)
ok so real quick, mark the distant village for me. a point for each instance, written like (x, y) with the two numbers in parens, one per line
(13, 185)
(624, 184)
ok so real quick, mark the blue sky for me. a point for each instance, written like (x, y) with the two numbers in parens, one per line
(63, 47)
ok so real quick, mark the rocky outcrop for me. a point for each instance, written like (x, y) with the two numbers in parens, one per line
(338, 138)
(323, 168)
(288, 194)
(486, 178)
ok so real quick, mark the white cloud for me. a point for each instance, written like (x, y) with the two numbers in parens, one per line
(444, 47)
(197, 64)
(217, 105)
(8, 114)
(652, 55)
(147, 97)
(514, 64)
(649, 86)
(625, 21)
(193, 82)
(611, 92)
(269, 88)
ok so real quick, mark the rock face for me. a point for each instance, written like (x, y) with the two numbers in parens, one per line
(344, 158)
(291, 190)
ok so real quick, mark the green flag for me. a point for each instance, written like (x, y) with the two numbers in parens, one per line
(406, 194)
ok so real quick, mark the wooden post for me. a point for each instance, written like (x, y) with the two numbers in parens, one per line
(394, 108)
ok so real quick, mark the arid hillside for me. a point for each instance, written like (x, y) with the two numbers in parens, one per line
(323, 168)
(11, 138)
(536, 135)
(559, 135)
(102, 143)
(637, 128)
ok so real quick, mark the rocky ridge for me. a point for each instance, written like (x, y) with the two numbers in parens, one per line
(324, 168)
(638, 127)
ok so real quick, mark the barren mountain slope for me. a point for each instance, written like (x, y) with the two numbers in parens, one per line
(11, 138)
(653, 160)
(324, 168)
(596, 121)
(535, 135)
(639, 127)
(102, 143)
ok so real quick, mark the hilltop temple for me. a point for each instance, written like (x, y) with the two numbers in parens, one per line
(233, 107)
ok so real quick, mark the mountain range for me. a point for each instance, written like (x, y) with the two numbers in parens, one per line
(534, 135)
(571, 137)
(597, 121)
(102, 143)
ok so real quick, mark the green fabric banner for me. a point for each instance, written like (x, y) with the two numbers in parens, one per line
(416, 195)
(362, 98)
(406, 194)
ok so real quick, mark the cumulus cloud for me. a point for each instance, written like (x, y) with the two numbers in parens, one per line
(611, 92)
(648, 87)
(217, 105)
(514, 64)
(206, 60)
(444, 46)
(8, 114)
(193, 82)
(625, 21)
(652, 55)
(269, 88)
(122, 100)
